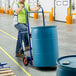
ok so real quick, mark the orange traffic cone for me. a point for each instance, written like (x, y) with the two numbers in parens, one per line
(69, 19)
(7, 11)
(35, 15)
(51, 15)
(3, 11)
(0, 10)
(11, 11)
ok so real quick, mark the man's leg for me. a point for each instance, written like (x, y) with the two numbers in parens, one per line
(25, 37)
(23, 28)
(19, 40)
(26, 41)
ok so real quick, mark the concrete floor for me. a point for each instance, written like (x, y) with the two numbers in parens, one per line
(66, 43)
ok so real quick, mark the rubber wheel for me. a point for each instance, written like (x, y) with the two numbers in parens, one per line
(25, 61)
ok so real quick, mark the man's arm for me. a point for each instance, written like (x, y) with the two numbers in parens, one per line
(17, 11)
(35, 8)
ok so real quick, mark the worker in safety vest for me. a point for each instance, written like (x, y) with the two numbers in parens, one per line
(20, 24)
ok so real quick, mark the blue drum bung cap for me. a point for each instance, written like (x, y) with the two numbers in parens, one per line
(66, 62)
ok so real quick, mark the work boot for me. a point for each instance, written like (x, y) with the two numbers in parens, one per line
(21, 52)
(19, 55)
(27, 48)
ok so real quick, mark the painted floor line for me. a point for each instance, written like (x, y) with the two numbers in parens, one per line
(15, 61)
(8, 34)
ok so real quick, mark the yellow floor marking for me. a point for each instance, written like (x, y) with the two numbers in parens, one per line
(15, 61)
(8, 34)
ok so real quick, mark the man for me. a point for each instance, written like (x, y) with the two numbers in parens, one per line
(20, 24)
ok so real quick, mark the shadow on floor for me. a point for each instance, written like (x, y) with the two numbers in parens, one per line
(47, 69)
(44, 68)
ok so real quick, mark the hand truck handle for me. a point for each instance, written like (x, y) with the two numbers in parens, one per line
(36, 12)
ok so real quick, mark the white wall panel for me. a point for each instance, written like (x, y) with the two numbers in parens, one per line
(47, 4)
(0, 3)
(61, 9)
(3, 4)
(7, 3)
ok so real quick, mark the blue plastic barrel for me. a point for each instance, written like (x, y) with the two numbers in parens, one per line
(66, 66)
(44, 46)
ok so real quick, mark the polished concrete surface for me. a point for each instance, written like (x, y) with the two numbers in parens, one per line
(66, 43)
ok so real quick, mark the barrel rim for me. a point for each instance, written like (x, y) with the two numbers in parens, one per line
(60, 65)
(43, 26)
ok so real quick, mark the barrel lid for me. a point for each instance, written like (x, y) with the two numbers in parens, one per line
(52, 26)
(68, 62)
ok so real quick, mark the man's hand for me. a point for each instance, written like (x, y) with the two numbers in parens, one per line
(36, 8)
(39, 4)
(21, 6)
(19, 9)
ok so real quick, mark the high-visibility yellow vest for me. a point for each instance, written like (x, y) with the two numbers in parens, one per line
(22, 15)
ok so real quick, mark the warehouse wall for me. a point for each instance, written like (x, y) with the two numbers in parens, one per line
(3, 4)
(0, 3)
(7, 3)
(47, 4)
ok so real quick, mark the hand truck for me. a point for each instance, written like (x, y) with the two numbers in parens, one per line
(27, 60)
